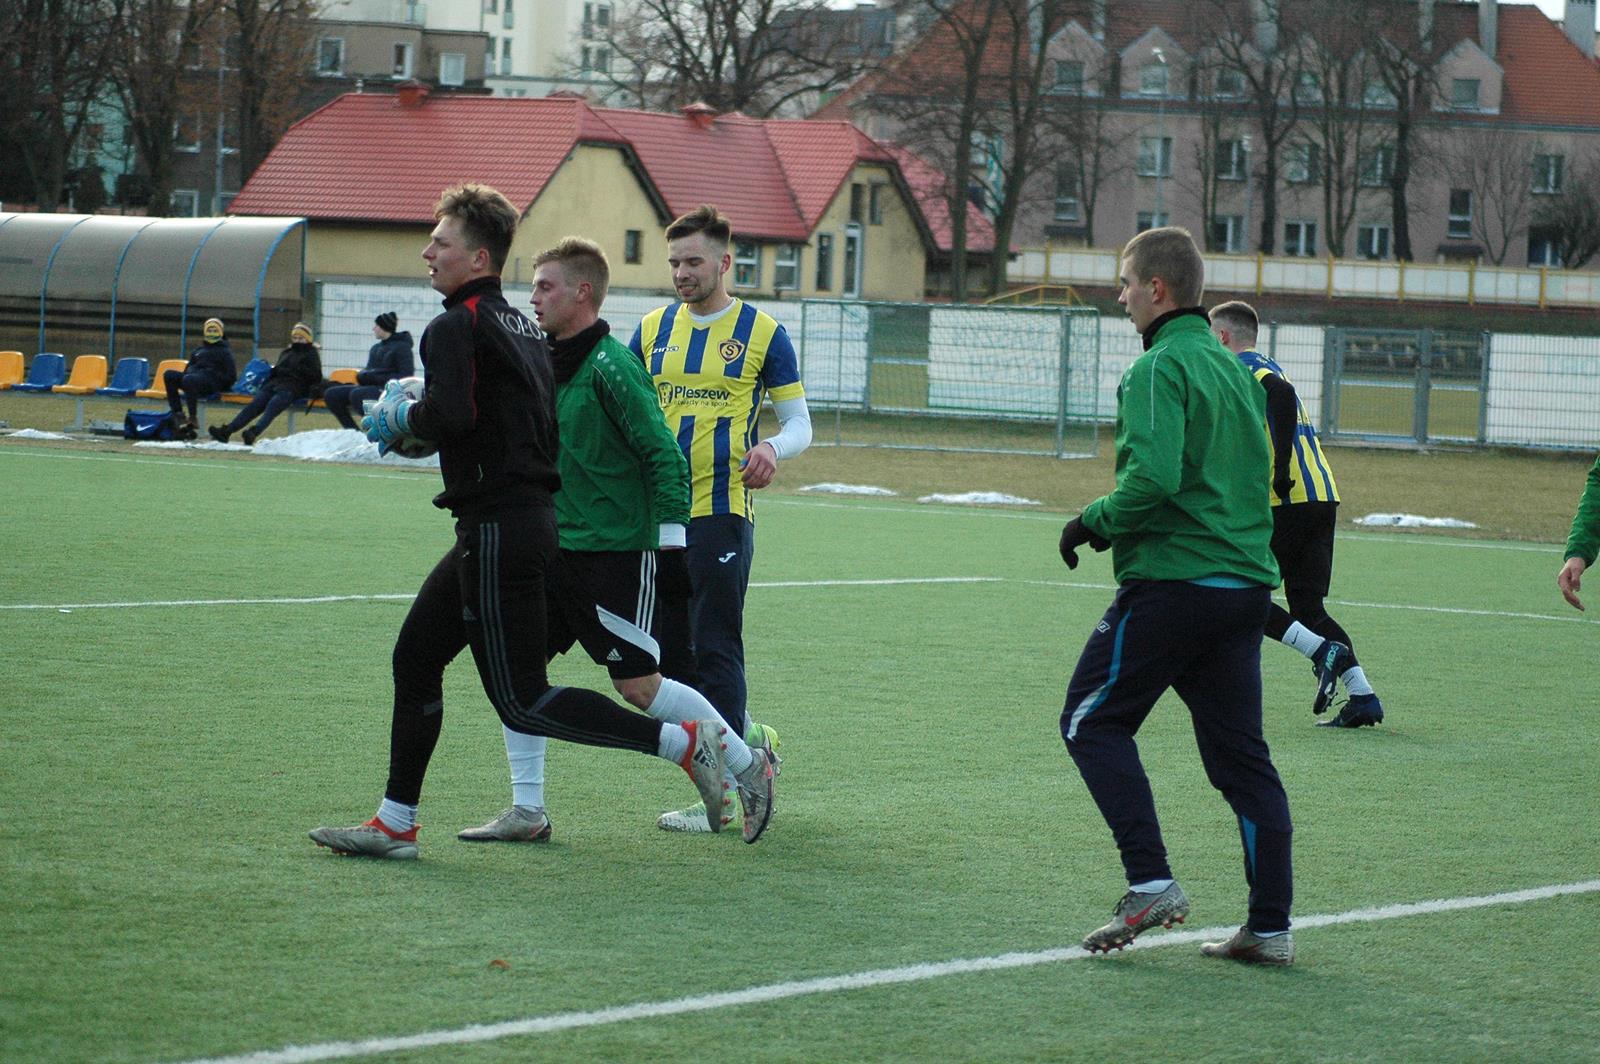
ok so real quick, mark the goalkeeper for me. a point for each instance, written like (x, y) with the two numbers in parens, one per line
(490, 406)
(621, 589)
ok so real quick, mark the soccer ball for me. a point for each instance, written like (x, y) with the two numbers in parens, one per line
(411, 446)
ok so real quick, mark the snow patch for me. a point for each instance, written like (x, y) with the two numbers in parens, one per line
(1412, 521)
(981, 498)
(317, 445)
(35, 434)
(832, 488)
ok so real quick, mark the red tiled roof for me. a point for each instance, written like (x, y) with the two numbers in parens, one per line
(928, 187)
(367, 157)
(817, 158)
(1547, 80)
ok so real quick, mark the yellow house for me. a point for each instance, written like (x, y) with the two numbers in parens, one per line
(819, 209)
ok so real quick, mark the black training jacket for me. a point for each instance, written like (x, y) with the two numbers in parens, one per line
(489, 403)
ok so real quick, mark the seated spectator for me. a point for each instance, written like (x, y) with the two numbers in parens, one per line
(210, 370)
(389, 360)
(299, 368)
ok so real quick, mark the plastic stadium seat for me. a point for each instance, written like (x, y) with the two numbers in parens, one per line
(10, 369)
(255, 372)
(88, 374)
(48, 370)
(130, 375)
(158, 383)
(338, 376)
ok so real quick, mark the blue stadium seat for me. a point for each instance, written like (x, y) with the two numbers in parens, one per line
(130, 375)
(48, 370)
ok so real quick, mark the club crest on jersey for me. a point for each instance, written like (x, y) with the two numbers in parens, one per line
(730, 350)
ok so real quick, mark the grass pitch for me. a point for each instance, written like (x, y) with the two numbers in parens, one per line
(182, 703)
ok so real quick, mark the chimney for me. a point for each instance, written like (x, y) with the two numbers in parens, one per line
(411, 93)
(1578, 24)
(1097, 20)
(1489, 27)
(700, 113)
(1264, 16)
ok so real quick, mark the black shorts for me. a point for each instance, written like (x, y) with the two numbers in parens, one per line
(611, 604)
(1302, 541)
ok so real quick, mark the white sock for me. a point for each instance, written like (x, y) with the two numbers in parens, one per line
(1302, 639)
(526, 756)
(676, 702)
(1154, 886)
(1355, 681)
(399, 818)
(674, 744)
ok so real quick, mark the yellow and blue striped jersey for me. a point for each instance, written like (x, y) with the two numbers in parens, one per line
(711, 377)
(1313, 477)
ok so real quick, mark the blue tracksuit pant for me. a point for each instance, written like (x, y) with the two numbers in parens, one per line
(721, 548)
(1205, 644)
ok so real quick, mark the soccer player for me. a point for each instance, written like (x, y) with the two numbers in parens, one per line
(714, 358)
(1190, 533)
(1305, 509)
(490, 407)
(621, 589)
(1583, 542)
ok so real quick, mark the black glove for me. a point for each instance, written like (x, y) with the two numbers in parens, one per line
(1282, 485)
(672, 574)
(1075, 535)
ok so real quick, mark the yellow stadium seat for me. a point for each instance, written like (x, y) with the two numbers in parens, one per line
(10, 369)
(158, 382)
(88, 373)
(338, 376)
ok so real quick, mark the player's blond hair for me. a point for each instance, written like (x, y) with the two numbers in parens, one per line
(581, 260)
(1169, 253)
(488, 220)
(1239, 318)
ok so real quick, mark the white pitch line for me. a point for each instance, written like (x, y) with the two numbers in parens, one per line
(882, 583)
(913, 973)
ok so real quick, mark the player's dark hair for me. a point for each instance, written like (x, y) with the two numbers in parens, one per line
(703, 219)
(581, 260)
(1239, 318)
(1170, 254)
(488, 220)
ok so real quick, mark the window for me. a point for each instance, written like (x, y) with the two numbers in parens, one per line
(858, 195)
(1464, 94)
(1308, 88)
(1542, 249)
(488, 58)
(596, 19)
(1372, 241)
(330, 55)
(1377, 94)
(1547, 173)
(1068, 207)
(1069, 76)
(402, 61)
(824, 261)
(596, 59)
(1377, 166)
(452, 68)
(852, 260)
(1227, 233)
(746, 264)
(1155, 156)
(786, 267)
(186, 133)
(1153, 79)
(1300, 238)
(875, 204)
(508, 20)
(1301, 162)
(1230, 160)
(631, 240)
(505, 56)
(1460, 227)
(491, 7)
(185, 203)
(1230, 84)
(1150, 220)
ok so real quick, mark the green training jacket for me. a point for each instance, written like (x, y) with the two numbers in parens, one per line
(1190, 500)
(622, 474)
(1584, 539)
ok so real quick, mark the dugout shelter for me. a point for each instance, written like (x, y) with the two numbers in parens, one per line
(127, 286)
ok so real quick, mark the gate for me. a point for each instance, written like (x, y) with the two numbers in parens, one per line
(1405, 385)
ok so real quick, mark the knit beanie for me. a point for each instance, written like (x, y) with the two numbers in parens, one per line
(300, 334)
(212, 330)
(388, 321)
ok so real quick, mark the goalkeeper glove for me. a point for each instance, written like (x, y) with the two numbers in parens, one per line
(1075, 535)
(390, 417)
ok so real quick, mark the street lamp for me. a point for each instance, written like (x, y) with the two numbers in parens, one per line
(1244, 147)
(1162, 156)
(222, 122)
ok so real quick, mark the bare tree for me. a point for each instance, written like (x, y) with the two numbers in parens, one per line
(272, 41)
(1492, 163)
(1406, 57)
(1571, 217)
(1258, 40)
(1085, 142)
(1342, 115)
(754, 56)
